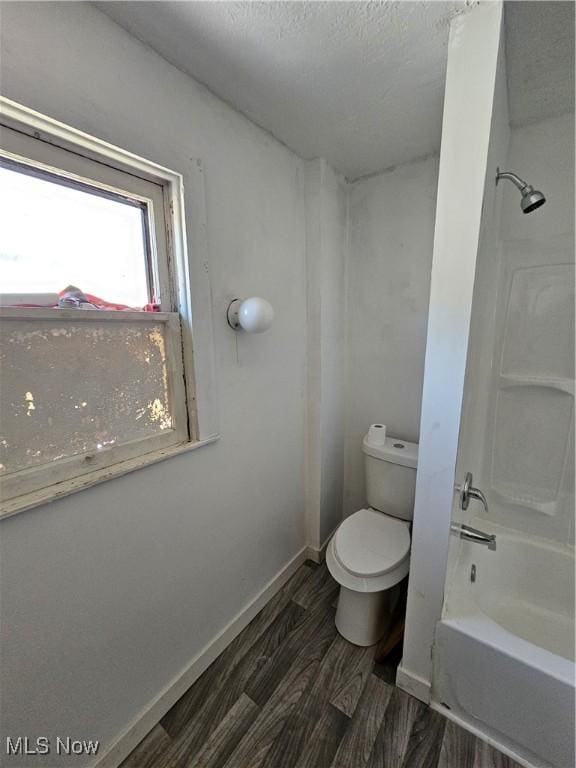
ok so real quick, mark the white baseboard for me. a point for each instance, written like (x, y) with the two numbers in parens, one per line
(413, 684)
(484, 736)
(317, 555)
(157, 708)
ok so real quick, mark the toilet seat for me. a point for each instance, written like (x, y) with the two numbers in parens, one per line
(369, 543)
(370, 551)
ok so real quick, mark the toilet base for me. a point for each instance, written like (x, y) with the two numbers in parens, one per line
(363, 618)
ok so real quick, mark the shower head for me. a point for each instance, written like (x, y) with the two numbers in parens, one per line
(531, 198)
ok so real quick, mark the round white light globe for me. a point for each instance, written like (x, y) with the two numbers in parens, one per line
(255, 315)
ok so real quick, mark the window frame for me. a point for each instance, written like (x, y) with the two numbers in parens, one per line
(174, 285)
(148, 205)
(45, 158)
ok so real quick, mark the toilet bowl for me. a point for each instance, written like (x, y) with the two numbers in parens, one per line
(369, 555)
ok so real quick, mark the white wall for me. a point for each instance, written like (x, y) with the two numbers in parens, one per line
(543, 152)
(391, 220)
(474, 51)
(326, 240)
(109, 593)
(480, 358)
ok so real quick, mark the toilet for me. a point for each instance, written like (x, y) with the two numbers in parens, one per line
(369, 555)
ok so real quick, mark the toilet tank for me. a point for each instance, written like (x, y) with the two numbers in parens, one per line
(391, 476)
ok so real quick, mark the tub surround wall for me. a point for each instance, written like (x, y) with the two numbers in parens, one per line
(534, 253)
(512, 631)
(391, 221)
(534, 341)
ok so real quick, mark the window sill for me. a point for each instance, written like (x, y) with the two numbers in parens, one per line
(67, 487)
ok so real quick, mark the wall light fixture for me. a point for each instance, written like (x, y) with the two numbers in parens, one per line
(253, 315)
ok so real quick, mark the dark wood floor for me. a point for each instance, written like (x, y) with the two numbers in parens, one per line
(289, 692)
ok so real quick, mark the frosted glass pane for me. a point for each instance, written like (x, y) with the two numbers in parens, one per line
(53, 236)
(68, 387)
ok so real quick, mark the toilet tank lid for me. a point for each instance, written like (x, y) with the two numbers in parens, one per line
(395, 450)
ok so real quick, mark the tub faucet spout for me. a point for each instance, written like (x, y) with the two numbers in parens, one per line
(474, 535)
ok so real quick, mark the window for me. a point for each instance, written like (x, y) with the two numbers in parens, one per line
(56, 234)
(96, 373)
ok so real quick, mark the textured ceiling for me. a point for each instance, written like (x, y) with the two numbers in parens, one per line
(539, 59)
(358, 83)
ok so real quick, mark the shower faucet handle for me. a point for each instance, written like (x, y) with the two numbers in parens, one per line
(467, 492)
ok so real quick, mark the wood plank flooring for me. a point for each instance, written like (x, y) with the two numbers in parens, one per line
(289, 692)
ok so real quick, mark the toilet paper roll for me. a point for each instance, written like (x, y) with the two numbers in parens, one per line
(377, 434)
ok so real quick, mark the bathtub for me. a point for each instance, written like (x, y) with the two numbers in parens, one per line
(504, 649)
